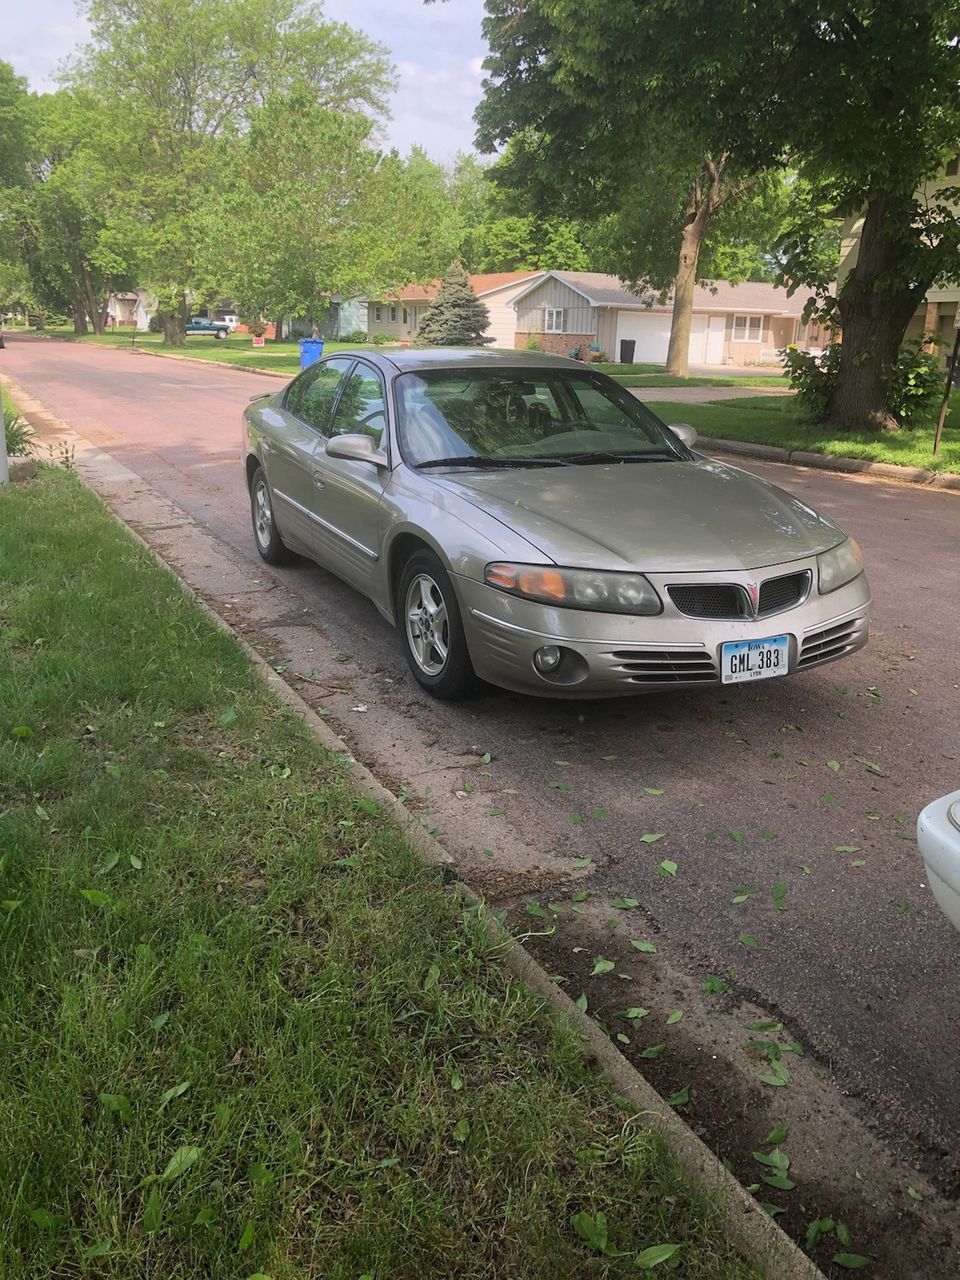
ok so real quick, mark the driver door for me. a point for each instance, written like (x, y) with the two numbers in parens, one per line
(351, 492)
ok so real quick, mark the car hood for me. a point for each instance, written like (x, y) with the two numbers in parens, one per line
(661, 517)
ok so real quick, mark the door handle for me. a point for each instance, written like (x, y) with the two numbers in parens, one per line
(319, 481)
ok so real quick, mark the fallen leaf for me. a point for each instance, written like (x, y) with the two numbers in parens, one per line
(647, 947)
(667, 868)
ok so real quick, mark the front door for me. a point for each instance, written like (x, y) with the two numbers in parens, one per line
(351, 492)
(296, 452)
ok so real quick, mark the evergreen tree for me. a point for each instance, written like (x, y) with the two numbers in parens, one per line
(457, 317)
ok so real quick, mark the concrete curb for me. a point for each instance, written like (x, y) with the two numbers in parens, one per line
(749, 1227)
(833, 462)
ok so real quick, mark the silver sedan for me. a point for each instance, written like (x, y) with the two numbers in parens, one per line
(522, 519)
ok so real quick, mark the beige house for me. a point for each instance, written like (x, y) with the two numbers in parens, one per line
(938, 313)
(399, 315)
(744, 324)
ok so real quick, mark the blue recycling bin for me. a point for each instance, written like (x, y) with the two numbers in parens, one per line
(311, 349)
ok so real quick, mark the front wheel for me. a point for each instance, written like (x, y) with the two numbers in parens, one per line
(220, 334)
(271, 546)
(432, 629)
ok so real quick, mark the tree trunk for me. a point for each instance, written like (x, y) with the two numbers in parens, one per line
(94, 309)
(278, 329)
(703, 200)
(79, 318)
(171, 322)
(874, 322)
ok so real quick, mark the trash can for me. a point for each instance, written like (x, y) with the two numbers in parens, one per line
(627, 348)
(311, 349)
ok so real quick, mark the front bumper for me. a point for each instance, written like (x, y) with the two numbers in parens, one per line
(615, 654)
(939, 841)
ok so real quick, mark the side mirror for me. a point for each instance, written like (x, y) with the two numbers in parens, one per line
(684, 432)
(356, 448)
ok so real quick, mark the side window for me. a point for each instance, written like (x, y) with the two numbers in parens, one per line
(312, 396)
(361, 409)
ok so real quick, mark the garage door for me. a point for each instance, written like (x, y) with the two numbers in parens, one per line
(650, 330)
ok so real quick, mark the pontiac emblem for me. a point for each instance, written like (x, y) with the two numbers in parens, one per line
(753, 591)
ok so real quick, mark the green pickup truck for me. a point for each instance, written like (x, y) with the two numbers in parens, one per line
(199, 324)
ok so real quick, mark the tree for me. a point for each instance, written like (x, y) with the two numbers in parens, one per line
(309, 208)
(457, 317)
(861, 98)
(658, 185)
(497, 231)
(15, 122)
(74, 237)
(184, 80)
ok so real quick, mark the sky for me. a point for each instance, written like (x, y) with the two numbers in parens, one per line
(437, 50)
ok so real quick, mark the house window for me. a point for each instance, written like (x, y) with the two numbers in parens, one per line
(553, 320)
(748, 328)
(404, 315)
(378, 313)
(393, 315)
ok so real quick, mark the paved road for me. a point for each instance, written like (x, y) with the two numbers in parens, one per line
(861, 966)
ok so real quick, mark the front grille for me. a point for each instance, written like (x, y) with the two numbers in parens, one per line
(710, 600)
(727, 600)
(777, 594)
(831, 642)
(665, 666)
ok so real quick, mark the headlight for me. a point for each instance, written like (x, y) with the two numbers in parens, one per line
(840, 565)
(575, 588)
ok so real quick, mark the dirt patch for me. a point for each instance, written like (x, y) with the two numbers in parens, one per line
(841, 1169)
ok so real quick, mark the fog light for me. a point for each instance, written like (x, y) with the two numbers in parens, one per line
(547, 659)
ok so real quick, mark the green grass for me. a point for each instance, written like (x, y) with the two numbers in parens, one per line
(242, 1028)
(282, 357)
(777, 420)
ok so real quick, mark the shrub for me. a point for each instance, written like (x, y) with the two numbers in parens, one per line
(914, 382)
(813, 378)
(154, 325)
(533, 342)
(17, 432)
(358, 335)
(257, 326)
(379, 339)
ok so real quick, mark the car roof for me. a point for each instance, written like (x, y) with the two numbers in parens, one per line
(409, 359)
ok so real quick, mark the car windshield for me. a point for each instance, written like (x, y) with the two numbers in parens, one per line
(506, 417)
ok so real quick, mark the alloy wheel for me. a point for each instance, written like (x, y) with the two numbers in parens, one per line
(428, 627)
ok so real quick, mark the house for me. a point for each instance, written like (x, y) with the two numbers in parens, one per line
(131, 310)
(398, 315)
(731, 324)
(344, 317)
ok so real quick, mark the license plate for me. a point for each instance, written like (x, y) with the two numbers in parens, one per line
(754, 659)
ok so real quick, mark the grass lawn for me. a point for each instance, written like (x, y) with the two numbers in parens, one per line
(243, 1031)
(776, 420)
(283, 357)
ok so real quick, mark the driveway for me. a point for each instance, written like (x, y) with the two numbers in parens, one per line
(812, 783)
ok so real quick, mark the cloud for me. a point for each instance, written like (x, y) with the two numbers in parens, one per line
(437, 48)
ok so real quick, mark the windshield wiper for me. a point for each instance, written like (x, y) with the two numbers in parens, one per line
(476, 460)
(608, 455)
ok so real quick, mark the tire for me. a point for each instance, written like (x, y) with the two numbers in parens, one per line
(265, 532)
(220, 334)
(436, 653)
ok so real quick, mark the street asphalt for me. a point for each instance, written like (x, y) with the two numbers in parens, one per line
(813, 782)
